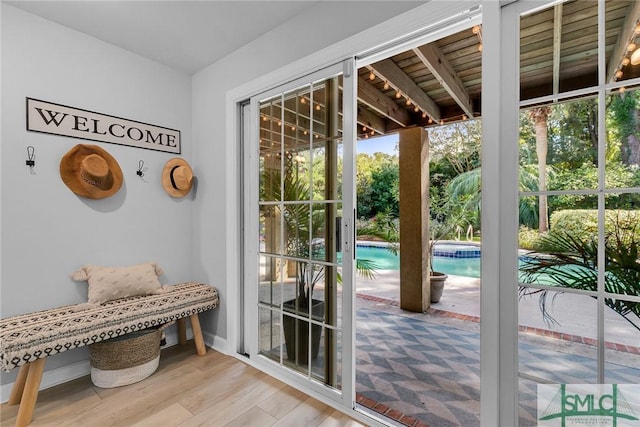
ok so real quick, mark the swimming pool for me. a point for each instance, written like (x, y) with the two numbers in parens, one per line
(455, 259)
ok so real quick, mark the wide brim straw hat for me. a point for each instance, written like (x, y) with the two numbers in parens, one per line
(177, 177)
(89, 171)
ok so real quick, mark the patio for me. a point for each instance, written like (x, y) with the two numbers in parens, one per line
(427, 366)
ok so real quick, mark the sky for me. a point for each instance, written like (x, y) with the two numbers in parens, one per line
(382, 144)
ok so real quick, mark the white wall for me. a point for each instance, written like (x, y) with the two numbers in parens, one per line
(313, 30)
(47, 231)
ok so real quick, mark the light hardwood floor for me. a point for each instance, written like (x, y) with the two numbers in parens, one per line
(186, 390)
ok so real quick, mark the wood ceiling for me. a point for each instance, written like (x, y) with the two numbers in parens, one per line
(440, 82)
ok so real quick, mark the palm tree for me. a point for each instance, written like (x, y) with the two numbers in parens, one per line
(540, 116)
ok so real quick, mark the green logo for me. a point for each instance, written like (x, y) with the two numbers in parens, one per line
(588, 404)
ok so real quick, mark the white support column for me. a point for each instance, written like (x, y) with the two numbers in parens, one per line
(499, 302)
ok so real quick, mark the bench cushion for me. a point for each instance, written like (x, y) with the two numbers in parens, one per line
(25, 338)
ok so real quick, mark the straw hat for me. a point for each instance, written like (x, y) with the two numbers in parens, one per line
(177, 177)
(89, 171)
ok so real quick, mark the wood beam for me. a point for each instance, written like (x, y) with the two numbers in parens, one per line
(372, 121)
(389, 71)
(626, 33)
(381, 103)
(557, 39)
(437, 63)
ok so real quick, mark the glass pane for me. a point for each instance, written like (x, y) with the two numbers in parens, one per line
(270, 229)
(623, 141)
(566, 255)
(559, 347)
(559, 49)
(297, 217)
(330, 342)
(270, 273)
(270, 162)
(269, 337)
(622, 243)
(622, 342)
(327, 170)
(622, 41)
(562, 141)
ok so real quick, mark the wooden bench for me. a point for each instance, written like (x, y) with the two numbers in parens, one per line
(27, 340)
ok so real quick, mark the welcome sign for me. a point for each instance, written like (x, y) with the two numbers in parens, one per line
(56, 119)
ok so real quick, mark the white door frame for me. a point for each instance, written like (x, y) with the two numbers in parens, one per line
(499, 406)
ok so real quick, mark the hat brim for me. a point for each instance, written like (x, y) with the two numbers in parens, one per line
(70, 172)
(166, 177)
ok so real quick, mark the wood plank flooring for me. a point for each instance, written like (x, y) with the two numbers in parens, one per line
(186, 390)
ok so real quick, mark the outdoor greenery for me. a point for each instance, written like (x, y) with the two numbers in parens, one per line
(568, 261)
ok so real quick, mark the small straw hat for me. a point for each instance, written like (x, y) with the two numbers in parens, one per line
(89, 171)
(177, 177)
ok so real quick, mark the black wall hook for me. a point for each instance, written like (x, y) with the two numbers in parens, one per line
(139, 172)
(31, 156)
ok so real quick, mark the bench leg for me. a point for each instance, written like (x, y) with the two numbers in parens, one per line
(182, 331)
(197, 335)
(18, 386)
(30, 393)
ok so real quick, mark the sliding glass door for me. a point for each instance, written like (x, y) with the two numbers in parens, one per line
(299, 214)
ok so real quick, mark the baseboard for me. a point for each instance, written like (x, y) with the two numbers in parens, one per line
(80, 369)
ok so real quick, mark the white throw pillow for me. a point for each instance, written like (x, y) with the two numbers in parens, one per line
(110, 283)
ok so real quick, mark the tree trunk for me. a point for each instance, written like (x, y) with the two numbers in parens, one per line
(540, 117)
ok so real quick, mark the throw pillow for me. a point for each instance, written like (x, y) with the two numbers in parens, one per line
(109, 283)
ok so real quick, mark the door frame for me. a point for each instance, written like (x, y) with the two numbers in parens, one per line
(411, 25)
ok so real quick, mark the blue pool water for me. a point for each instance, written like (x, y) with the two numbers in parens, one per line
(459, 260)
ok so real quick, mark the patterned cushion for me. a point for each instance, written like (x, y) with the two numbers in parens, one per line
(32, 336)
(110, 283)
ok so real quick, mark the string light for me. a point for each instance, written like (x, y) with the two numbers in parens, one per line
(625, 61)
(318, 107)
(293, 128)
(441, 121)
(430, 120)
(416, 109)
(477, 30)
(398, 94)
(464, 117)
(386, 85)
(424, 115)
(264, 118)
(631, 47)
(408, 102)
(372, 76)
(621, 89)
(373, 132)
(618, 74)
(303, 101)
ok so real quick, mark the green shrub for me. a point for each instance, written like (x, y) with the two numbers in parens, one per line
(528, 238)
(582, 224)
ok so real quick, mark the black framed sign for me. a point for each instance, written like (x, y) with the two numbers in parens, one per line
(56, 119)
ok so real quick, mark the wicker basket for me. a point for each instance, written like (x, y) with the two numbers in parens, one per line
(125, 360)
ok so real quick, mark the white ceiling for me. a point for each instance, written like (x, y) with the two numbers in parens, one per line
(185, 35)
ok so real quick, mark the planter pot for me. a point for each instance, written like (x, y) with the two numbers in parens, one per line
(296, 331)
(437, 280)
